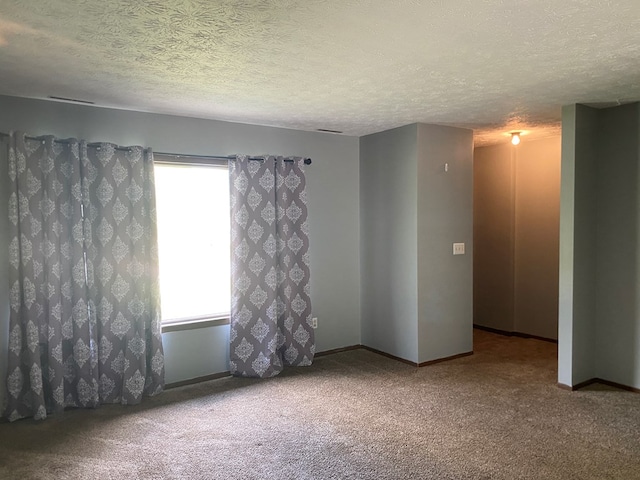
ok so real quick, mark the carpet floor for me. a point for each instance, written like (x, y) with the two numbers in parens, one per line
(497, 414)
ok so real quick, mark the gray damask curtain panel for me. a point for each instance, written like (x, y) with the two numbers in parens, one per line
(270, 304)
(84, 296)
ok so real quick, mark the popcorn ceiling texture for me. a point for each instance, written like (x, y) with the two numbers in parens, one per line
(351, 65)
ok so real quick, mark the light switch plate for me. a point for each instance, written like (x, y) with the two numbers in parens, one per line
(458, 248)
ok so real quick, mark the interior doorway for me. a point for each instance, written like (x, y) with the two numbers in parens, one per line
(516, 217)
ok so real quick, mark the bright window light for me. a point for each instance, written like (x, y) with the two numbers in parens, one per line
(192, 204)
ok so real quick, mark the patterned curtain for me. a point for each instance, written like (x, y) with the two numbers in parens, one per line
(270, 305)
(84, 302)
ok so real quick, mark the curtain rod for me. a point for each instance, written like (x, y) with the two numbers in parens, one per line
(307, 161)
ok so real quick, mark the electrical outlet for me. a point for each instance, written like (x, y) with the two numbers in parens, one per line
(314, 322)
(458, 248)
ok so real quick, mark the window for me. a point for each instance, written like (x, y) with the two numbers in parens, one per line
(192, 203)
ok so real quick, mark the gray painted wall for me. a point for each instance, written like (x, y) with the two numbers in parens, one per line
(617, 238)
(445, 216)
(333, 180)
(389, 222)
(577, 292)
(537, 223)
(599, 310)
(416, 296)
(493, 237)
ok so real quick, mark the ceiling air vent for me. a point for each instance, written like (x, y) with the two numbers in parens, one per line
(72, 100)
(328, 131)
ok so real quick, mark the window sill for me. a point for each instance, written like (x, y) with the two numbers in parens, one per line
(194, 323)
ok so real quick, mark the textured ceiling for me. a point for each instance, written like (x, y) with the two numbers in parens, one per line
(351, 65)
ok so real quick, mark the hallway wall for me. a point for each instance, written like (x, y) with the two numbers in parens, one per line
(516, 236)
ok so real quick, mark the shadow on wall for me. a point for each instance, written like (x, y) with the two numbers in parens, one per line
(617, 258)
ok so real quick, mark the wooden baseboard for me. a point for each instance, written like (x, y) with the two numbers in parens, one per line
(338, 350)
(324, 353)
(388, 355)
(577, 386)
(591, 381)
(618, 385)
(445, 359)
(514, 334)
(191, 381)
(215, 376)
(414, 364)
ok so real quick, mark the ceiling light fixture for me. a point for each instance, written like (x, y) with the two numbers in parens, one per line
(515, 138)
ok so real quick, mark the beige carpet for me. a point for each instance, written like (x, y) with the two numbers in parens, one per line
(356, 415)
